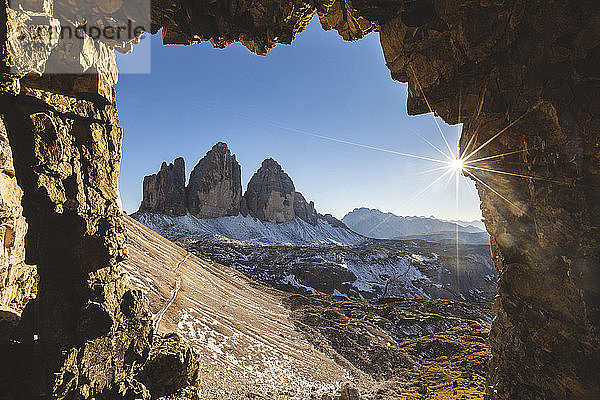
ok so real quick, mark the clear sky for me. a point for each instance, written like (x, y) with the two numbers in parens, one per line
(279, 106)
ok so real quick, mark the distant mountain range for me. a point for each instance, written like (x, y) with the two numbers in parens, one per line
(376, 224)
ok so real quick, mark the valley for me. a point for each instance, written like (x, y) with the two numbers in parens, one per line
(257, 342)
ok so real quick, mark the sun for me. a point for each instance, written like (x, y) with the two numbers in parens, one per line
(457, 164)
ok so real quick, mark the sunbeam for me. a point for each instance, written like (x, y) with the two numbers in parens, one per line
(507, 127)
(431, 111)
(439, 178)
(496, 192)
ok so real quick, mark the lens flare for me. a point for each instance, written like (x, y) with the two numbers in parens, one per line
(457, 165)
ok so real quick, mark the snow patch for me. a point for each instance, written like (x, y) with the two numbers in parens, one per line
(247, 229)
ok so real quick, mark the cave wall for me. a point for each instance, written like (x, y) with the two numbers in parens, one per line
(18, 280)
(525, 69)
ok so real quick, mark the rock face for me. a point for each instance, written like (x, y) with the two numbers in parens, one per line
(164, 192)
(270, 193)
(215, 186)
(333, 221)
(522, 77)
(91, 333)
(303, 210)
(18, 282)
(215, 190)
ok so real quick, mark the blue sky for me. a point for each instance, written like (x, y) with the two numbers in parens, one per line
(277, 106)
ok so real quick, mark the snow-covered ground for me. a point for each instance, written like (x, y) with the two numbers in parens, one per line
(247, 229)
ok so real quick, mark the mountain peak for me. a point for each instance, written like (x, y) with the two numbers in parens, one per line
(271, 164)
(164, 192)
(214, 190)
(215, 186)
(270, 193)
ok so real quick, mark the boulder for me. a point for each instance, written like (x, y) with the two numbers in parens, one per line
(172, 366)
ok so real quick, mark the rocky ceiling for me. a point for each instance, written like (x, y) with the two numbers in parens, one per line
(523, 77)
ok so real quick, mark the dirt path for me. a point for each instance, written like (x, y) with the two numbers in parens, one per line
(158, 316)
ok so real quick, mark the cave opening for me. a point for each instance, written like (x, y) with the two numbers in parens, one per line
(525, 76)
(328, 113)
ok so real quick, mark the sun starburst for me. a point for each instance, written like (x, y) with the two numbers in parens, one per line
(457, 165)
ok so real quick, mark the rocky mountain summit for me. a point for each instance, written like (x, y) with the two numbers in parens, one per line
(164, 192)
(270, 193)
(275, 236)
(214, 190)
(215, 186)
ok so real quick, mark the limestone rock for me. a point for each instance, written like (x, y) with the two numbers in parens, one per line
(66, 154)
(164, 192)
(304, 210)
(9, 320)
(270, 193)
(18, 281)
(215, 186)
(526, 69)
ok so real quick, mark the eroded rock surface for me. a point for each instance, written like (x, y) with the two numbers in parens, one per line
(256, 342)
(171, 366)
(215, 186)
(18, 280)
(270, 193)
(164, 192)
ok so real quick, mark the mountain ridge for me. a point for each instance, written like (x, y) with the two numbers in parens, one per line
(377, 224)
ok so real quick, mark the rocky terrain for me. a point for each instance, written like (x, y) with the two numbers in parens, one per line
(372, 269)
(18, 280)
(189, 228)
(256, 342)
(279, 239)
